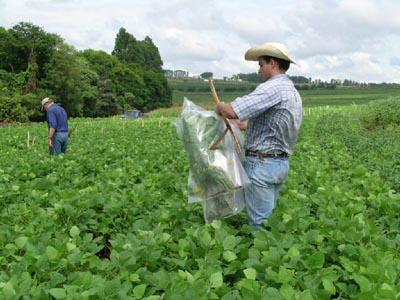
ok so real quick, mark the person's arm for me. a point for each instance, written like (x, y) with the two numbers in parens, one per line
(225, 110)
(51, 134)
(241, 124)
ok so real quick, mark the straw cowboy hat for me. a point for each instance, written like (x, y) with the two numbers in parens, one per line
(269, 49)
(45, 100)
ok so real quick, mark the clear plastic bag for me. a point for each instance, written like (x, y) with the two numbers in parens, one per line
(216, 177)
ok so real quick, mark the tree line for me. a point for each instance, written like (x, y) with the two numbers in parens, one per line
(305, 83)
(35, 64)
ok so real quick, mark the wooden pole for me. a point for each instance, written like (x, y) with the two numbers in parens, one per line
(228, 125)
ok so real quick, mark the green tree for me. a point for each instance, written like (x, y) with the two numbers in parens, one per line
(159, 94)
(11, 83)
(88, 85)
(31, 44)
(130, 101)
(63, 78)
(35, 64)
(32, 74)
(100, 62)
(299, 79)
(7, 41)
(143, 76)
(206, 75)
(90, 101)
(252, 77)
(31, 103)
(11, 110)
(152, 55)
(128, 78)
(128, 49)
(107, 100)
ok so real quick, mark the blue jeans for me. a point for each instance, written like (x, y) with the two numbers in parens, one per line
(267, 176)
(60, 143)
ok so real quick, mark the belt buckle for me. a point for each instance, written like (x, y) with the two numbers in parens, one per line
(276, 154)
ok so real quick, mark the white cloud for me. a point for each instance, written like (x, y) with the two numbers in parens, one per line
(343, 39)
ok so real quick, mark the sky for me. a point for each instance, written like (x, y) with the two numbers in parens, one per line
(330, 39)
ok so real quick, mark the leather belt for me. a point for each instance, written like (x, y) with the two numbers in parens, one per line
(264, 155)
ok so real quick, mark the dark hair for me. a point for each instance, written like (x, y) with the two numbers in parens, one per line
(283, 64)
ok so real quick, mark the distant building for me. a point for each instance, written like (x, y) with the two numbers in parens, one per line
(317, 81)
(176, 74)
(168, 73)
(181, 74)
(336, 81)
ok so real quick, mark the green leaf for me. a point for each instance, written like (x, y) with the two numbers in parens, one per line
(250, 273)
(205, 239)
(328, 285)
(250, 289)
(21, 242)
(363, 282)
(216, 224)
(216, 280)
(71, 246)
(165, 237)
(51, 252)
(272, 293)
(293, 252)
(58, 293)
(285, 275)
(229, 242)
(154, 297)
(329, 273)
(74, 258)
(189, 277)
(316, 261)
(74, 231)
(387, 291)
(306, 295)
(134, 277)
(112, 287)
(25, 282)
(56, 278)
(229, 256)
(8, 290)
(286, 291)
(139, 290)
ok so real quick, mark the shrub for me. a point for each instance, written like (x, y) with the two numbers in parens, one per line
(381, 113)
(229, 89)
(11, 110)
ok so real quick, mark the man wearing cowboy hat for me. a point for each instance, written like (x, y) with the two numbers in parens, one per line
(57, 121)
(272, 116)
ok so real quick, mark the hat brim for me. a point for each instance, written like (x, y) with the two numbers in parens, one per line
(44, 104)
(44, 101)
(254, 53)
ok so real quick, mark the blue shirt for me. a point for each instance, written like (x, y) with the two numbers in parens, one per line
(274, 113)
(57, 118)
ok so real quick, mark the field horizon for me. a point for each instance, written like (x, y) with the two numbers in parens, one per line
(198, 90)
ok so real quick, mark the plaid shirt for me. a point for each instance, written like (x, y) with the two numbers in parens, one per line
(274, 113)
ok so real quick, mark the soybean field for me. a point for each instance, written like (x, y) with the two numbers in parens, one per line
(110, 219)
